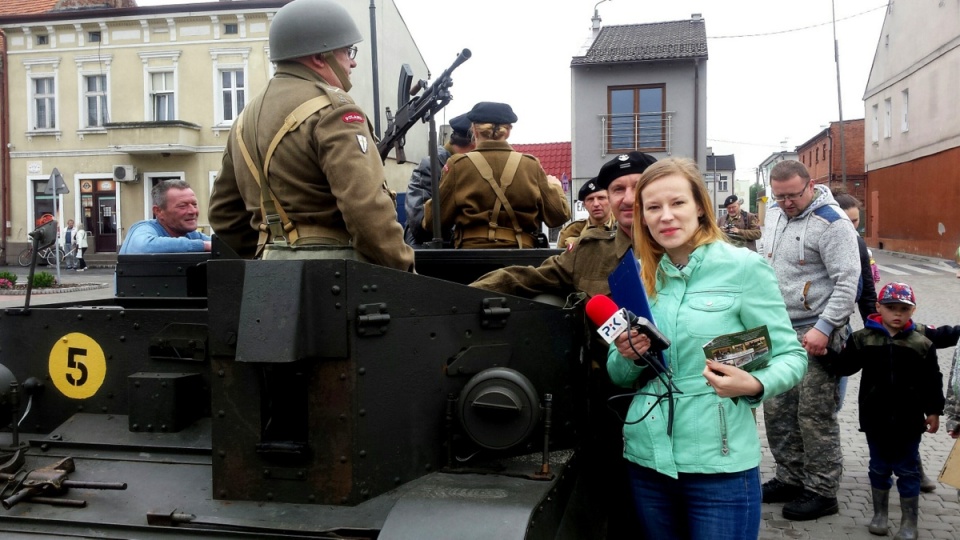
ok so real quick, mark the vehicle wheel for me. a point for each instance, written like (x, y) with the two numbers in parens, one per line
(51, 256)
(25, 256)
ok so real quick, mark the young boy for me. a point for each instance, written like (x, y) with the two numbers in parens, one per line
(901, 396)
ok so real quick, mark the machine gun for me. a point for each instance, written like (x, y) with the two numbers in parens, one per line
(417, 108)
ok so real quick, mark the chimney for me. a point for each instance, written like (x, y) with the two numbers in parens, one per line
(696, 17)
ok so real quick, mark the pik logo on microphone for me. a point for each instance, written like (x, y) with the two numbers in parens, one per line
(614, 326)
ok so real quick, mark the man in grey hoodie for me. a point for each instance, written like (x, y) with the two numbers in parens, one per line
(812, 246)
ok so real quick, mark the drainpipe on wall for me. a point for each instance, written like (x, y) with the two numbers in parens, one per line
(4, 149)
(375, 66)
(696, 110)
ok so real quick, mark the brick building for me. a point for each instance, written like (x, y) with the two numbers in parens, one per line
(821, 155)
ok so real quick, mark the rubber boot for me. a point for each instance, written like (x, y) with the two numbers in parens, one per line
(881, 500)
(926, 484)
(908, 519)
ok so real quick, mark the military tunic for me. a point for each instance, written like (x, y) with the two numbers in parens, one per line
(576, 228)
(326, 174)
(467, 200)
(583, 267)
(748, 226)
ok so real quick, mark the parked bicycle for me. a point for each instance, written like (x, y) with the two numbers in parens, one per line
(47, 256)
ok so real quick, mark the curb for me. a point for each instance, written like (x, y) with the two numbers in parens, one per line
(80, 287)
(914, 257)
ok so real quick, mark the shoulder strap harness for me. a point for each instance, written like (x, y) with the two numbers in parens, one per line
(509, 171)
(276, 224)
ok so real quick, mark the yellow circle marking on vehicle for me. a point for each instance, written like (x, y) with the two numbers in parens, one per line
(77, 366)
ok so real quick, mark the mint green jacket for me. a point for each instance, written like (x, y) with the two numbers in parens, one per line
(722, 289)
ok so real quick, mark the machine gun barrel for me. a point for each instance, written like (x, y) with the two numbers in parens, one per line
(420, 108)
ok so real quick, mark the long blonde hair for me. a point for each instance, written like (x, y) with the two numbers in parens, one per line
(649, 250)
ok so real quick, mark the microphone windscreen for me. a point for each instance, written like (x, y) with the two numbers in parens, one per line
(600, 308)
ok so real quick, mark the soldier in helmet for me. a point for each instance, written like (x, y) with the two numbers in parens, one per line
(597, 204)
(301, 176)
(497, 198)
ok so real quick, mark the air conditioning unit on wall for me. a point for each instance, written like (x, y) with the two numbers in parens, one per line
(124, 173)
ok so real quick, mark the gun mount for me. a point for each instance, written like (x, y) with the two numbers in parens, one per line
(413, 108)
(308, 399)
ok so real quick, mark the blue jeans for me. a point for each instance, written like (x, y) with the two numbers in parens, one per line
(889, 456)
(723, 506)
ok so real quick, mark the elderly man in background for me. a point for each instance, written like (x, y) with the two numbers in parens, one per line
(741, 227)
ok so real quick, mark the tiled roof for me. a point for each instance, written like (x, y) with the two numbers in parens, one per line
(554, 157)
(27, 7)
(646, 42)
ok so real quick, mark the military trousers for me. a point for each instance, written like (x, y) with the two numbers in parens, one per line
(802, 427)
(282, 252)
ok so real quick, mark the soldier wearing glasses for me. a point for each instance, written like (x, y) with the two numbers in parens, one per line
(812, 247)
(301, 176)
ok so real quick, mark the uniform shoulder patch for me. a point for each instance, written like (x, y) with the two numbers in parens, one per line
(353, 118)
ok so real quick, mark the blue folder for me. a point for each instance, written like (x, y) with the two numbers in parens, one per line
(627, 290)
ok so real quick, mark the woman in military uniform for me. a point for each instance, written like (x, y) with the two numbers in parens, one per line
(496, 197)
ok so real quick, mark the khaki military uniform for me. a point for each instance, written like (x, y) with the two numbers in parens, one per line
(325, 174)
(469, 202)
(583, 267)
(749, 229)
(576, 228)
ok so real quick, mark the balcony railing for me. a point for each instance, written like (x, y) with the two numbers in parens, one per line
(644, 132)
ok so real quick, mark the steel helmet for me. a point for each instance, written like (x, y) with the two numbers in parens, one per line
(305, 27)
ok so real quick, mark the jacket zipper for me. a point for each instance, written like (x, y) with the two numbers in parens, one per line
(723, 430)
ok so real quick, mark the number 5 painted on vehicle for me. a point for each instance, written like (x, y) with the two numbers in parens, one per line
(77, 366)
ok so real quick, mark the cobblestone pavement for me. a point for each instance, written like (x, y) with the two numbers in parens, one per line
(939, 511)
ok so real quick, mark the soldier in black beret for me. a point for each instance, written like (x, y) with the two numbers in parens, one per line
(420, 189)
(492, 113)
(595, 201)
(622, 165)
(493, 196)
(742, 227)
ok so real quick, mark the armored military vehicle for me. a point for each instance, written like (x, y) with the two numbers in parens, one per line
(229, 398)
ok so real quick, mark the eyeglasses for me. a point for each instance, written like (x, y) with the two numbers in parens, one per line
(792, 196)
(351, 51)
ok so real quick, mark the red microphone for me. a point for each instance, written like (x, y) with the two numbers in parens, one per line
(612, 321)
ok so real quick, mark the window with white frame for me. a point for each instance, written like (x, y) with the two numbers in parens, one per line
(162, 96)
(875, 127)
(904, 112)
(95, 101)
(44, 103)
(232, 94)
(887, 116)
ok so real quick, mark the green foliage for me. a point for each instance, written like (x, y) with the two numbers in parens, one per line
(9, 276)
(43, 279)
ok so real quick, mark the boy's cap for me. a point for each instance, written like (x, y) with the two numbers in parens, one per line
(897, 293)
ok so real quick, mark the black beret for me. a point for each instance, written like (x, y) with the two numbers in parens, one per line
(587, 189)
(493, 113)
(622, 165)
(460, 124)
(729, 200)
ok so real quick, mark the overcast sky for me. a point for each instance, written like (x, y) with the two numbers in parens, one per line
(780, 85)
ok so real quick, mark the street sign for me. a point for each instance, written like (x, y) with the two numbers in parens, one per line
(56, 185)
